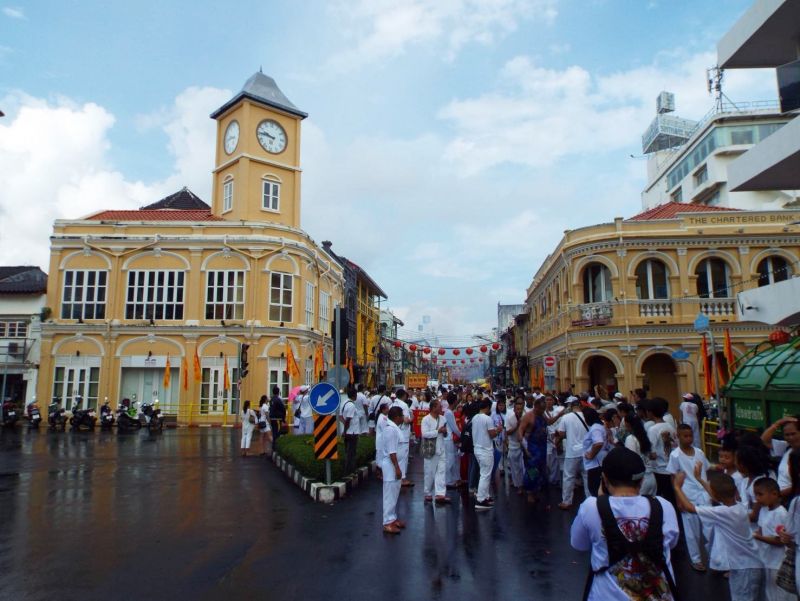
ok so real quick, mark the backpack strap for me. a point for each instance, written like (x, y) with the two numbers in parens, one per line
(655, 539)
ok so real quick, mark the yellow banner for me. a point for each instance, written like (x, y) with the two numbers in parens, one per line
(416, 380)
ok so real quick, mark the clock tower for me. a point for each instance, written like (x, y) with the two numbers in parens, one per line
(257, 166)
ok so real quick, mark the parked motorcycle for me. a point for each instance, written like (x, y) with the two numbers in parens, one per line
(127, 416)
(34, 415)
(106, 416)
(82, 418)
(56, 416)
(9, 414)
(152, 416)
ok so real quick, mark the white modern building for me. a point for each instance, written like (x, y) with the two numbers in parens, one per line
(768, 36)
(689, 161)
(22, 298)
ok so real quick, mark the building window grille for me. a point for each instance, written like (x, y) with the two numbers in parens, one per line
(84, 294)
(225, 295)
(155, 295)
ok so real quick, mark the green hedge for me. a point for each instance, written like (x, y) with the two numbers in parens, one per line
(299, 451)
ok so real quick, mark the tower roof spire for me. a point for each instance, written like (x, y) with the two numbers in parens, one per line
(263, 89)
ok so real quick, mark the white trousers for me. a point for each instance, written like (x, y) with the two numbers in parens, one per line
(402, 457)
(391, 491)
(772, 591)
(516, 465)
(553, 466)
(247, 436)
(307, 425)
(573, 468)
(435, 476)
(452, 472)
(485, 459)
(693, 530)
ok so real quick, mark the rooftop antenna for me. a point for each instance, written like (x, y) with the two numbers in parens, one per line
(714, 77)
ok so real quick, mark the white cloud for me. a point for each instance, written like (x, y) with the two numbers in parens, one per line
(13, 12)
(537, 116)
(381, 29)
(54, 163)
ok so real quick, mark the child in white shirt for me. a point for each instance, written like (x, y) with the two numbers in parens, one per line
(772, 518)
(734, 547)
(690, 460)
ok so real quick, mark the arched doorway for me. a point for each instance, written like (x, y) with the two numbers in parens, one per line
(660, 379)
(601, 370)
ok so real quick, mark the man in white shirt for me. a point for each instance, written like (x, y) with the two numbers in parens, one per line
(373, 404)
(783, 448)
(572, 428)
(352, 429)
(663, 439)
(405, 434)
(554, 462)
(483, 431)
(390, 468)
(452, 470)
(434, 428)
(306, 412)
(362, 402)
(516, 463)
(631, 515)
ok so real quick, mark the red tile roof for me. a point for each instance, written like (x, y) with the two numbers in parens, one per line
(670, 210)
(155, 215)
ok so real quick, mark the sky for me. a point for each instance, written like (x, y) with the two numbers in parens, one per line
(448, 146)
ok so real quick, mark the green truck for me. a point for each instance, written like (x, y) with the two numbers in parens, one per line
(766, 385)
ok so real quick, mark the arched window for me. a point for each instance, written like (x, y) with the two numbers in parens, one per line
(772, 269)
(596, 283)
(713, 279)
(651, 280)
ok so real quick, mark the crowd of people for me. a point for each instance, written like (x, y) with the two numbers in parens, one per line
(645, 480)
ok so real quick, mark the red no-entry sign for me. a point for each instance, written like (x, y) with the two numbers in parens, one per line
(550, 363)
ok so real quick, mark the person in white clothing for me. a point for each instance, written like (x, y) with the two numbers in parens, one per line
(362, 402)
(663, 439)
(572, 428)
(373, 403)
(783, 448)
(638, 442)
(554, 461)
(434, 431)
(516, 462)
(690, 460)
(249, 421)
(306, 412)
(390, 467)
(263, 425)
(689, 415)
(621, 506)
(352, 429)
(772, 519)
(483, 432)
(405, 431)
(380, 425)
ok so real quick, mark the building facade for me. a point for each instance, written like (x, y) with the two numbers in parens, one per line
(171, 300)
(22, 298)
(616, 302)
(694, 164)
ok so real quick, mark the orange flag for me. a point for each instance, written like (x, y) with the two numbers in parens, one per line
(291, 365)
(197, 371)
(350, 369)
(166, 374)
(707, 374)
(729, 357)
(319, 361)
(185, 370)
(226, 377)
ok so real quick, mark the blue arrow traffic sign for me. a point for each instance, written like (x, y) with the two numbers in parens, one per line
(702, 323)
(324, 398)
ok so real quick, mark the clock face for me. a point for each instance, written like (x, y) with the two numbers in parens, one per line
(231, 136)
(271, 136)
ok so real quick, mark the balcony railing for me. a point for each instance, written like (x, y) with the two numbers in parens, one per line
(718, 307)
(593, 314)
(655, 308)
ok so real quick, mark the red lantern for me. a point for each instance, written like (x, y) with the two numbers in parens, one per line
(397, 344)
(779, 337)
(470, 351)
(426, 350)
(484, 348)
(496, 346)
(480, 359)
(454, 361)
(472, 360)
(413, 348)
(442, 351)
(456, 352)
(463, 361)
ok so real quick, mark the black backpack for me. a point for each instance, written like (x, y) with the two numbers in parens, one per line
(648, 551)
(467, 446)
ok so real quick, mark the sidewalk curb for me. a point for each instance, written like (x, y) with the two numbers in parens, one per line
(318, 491)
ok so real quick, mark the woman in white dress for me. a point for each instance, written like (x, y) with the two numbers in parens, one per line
(263, 425)
(689, 411)
(249, 421)
(638, 442)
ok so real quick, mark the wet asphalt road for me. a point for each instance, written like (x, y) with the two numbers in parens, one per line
(181, 516)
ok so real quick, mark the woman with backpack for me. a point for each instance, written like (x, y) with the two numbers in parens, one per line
(248, 425)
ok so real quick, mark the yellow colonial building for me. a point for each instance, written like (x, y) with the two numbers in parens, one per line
(614, 301)
(130, 291)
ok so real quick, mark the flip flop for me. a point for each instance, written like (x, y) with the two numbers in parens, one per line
(399, 523)
(443, 501)
(699, 567)
(391, 529)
